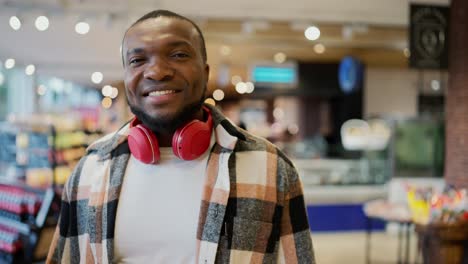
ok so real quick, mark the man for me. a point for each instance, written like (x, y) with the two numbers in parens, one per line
(140, 195)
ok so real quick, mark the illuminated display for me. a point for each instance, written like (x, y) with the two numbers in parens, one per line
(265, 74)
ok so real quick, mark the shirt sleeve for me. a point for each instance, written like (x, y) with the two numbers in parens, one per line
(64, 248)
(295, 244)
(57, 247)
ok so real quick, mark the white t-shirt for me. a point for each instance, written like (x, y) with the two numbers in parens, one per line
(157, 214)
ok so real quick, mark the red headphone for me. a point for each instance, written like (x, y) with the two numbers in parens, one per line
(188, 142)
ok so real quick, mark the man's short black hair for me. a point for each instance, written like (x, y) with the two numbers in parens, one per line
(166, 13)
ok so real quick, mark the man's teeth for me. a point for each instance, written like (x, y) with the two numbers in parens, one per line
(158, 93)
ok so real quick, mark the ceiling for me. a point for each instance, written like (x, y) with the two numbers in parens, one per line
(375, 31)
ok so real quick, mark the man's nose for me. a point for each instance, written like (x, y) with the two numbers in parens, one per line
(159, 70)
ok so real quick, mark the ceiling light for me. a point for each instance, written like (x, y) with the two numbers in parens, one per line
(30, 69)
(241, 87)
(106, 90)
(218, 95)
(42, 23)
(82, 28)
(114, 93)
(41, 89)
(319, 48)
(97, 77)
(312, 33)
(250, 87)
(15, 23)
(210, 101)
(106, 102)
(406, 52)
(435, 85)
(293, 129)
(10, 63)
(347, 32)
(225, 50)
(278, 113)
(235, 79)
(280, 57)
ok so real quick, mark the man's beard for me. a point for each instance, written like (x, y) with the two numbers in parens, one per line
(170, 124)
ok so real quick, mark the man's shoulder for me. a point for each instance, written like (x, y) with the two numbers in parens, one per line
(106, 144)
(101, 141)
(89, 167)
(256, 143)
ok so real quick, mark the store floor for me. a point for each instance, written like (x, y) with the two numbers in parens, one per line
(349, 248)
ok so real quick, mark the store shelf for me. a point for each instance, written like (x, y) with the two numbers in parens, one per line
(21, 227)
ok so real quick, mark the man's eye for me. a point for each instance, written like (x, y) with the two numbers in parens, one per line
(180, 55)
(135, 61)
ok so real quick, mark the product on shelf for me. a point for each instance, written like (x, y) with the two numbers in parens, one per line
(39, 177)
(36, 159)
(20, 206)
(61, 174)
(9, 240)
(39, 153)
(429, 207)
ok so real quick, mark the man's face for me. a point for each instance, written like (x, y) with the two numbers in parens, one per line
(165, 74)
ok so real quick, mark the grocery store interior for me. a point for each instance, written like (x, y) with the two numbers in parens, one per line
(368, 98)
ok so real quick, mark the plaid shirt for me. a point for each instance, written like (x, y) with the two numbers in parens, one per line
(252, 208)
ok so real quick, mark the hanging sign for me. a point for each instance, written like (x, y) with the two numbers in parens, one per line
(429, 37)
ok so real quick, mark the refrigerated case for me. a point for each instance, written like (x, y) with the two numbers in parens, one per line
(335, 192)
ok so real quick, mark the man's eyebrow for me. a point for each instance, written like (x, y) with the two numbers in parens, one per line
(180, 43)
(135, 51)
(176, 43)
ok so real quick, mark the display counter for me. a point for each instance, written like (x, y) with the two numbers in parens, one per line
(335, 191)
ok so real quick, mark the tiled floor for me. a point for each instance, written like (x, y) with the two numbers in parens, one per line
(349, 248)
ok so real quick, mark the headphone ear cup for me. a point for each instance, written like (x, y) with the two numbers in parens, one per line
(191, 141)
(143, 144)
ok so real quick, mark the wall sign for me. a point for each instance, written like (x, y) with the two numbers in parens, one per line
(429, 36)
(274, 75)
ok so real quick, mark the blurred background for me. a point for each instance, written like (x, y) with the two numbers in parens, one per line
(357, 93)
